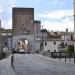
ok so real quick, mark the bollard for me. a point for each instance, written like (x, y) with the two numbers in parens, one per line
(12, 61)
(65, 59)
(69, 57)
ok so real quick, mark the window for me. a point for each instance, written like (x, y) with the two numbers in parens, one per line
(45, 43)
(28, 32)
(54, 50)
(54, 43)
(62, 43)
(6, 43)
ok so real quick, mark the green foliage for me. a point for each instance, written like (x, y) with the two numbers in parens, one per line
(65, 49)
(71, 48)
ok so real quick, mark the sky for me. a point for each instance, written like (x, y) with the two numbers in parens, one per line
(55, 15)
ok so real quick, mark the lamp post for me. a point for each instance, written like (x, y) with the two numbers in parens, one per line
(74, 23)
(42, 39)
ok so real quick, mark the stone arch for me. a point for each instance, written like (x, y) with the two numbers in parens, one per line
(24, 44)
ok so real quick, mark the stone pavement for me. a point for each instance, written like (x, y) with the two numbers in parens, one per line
(5, 67)
(35, 64)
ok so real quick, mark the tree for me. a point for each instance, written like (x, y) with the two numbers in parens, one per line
(71, 48)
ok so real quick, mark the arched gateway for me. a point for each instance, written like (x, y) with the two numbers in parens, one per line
(23, 42)
(24, 45)
(25, 27)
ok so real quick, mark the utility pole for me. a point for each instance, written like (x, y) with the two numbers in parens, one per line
(42, 39)
(74, 23)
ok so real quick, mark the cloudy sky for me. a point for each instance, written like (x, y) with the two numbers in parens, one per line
(55, 15)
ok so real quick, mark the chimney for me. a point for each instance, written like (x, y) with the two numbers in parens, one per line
(66, 30)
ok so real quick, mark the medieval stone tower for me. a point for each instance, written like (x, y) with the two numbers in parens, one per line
(22, 19)
(23, 27)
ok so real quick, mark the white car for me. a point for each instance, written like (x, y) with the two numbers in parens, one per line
(21, 51)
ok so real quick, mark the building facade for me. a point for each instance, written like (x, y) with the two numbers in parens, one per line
(52, 45)
(25, 27)
(23, 21)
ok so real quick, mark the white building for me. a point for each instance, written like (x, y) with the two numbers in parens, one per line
(52, 44)
(68, 38)
(58, 41)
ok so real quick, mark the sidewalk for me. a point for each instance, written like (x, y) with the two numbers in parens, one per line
(5, 67)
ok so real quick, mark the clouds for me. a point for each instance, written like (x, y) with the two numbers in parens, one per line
(7, 23)
(6, 12)
(58, 20)
(58, 26)
(54, 14)
(60, 2)
(1, 11)
(58, 14)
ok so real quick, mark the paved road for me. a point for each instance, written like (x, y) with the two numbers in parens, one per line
(35, 64)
